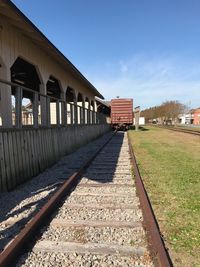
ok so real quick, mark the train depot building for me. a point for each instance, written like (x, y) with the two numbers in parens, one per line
(47, 107)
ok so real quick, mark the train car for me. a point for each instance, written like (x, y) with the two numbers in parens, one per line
(121, 113)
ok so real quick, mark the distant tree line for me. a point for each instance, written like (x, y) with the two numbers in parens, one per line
(165, 113)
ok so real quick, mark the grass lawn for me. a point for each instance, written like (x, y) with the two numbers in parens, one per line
(169, 163)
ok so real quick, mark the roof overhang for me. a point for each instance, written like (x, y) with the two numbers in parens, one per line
(19, 20)
(103, 102)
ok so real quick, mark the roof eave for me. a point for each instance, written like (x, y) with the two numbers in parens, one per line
(60, 54)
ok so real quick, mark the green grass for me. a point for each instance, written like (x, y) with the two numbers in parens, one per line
(169, 163)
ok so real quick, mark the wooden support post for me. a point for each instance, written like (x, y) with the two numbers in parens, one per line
(71, 113)
(83, 111)
(86, 116)
(64, 113)
(58, 112)
(43, 106)
(43, 111)
(6, 106)
(5, 98)
(89, 113)
(63, 109)
(78, 114)
(81, 115)
(48, 111)
(91, 117)
(35, 110)
(95, 112)
(18, 107)
(75, 113)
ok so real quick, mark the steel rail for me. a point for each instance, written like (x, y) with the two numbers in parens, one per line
(179, 130)
(158, 250)
(10, 254)
(184, 131)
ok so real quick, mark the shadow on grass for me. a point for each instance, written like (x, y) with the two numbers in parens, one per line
(141, 128)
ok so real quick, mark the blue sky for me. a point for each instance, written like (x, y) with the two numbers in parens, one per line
(145, 49)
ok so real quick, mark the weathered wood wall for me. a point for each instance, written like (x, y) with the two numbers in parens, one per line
(14, 43)
(24, 153)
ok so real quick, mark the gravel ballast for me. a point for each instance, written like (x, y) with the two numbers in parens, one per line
(100, 223)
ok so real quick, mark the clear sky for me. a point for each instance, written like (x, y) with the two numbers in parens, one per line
(148, 50)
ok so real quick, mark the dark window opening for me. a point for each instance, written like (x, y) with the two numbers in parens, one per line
(70, 96)
(53, 88)
(25, 74)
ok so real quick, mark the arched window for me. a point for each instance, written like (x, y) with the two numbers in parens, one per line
(25, 105)
(53, 88)
(87, 110)
(71, 101)
(25, 73)
(92, 108)
(80, 109)
(54, 95)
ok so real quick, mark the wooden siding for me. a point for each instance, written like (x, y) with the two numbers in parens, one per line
(13, 44)
(24, 153)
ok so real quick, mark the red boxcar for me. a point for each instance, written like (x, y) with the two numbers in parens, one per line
(122, 113)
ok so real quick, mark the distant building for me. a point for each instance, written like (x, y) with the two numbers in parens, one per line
(185, 118)
(192, 117)
(196, 116)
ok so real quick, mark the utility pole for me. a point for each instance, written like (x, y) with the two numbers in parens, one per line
(137, 117)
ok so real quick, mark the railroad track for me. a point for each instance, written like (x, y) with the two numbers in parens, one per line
(98, 223)
(180, 130)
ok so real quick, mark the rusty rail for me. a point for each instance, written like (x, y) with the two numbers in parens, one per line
(178, 130)
(157, 247)
(184, 131)
(9, 255)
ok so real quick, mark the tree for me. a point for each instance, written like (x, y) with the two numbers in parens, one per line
(165, 113)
